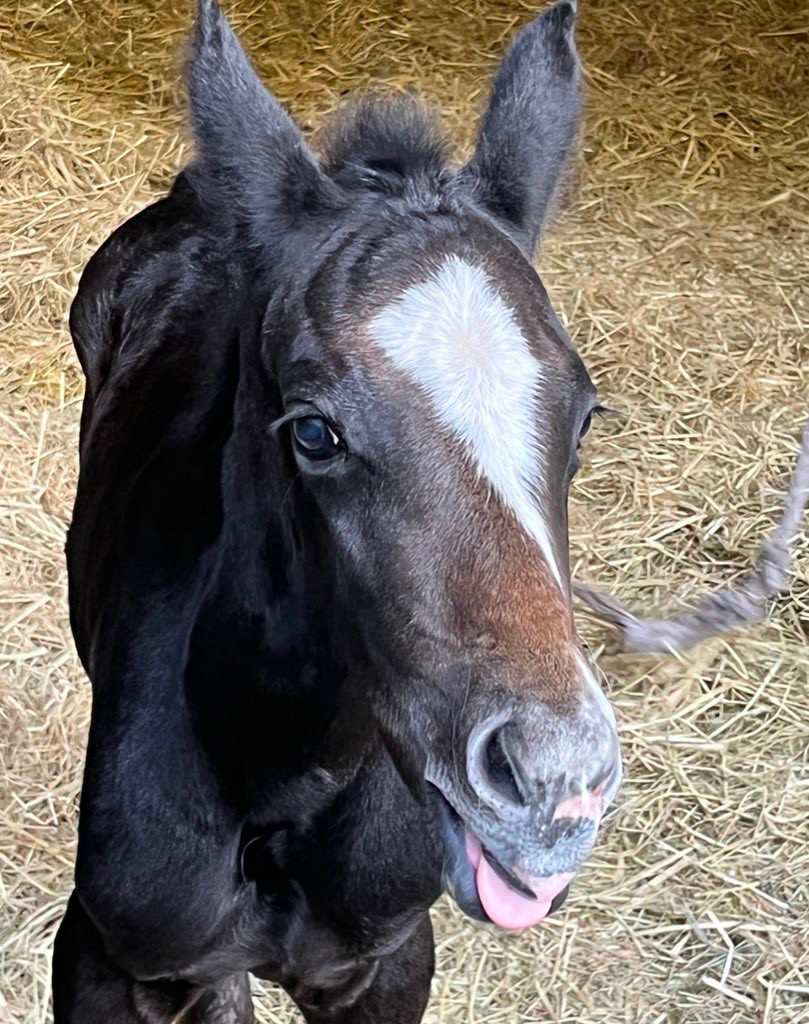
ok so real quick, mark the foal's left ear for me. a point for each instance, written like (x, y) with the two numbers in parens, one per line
(251, 156)
(529, 126)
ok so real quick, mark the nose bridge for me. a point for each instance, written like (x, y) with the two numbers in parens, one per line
(510, 603)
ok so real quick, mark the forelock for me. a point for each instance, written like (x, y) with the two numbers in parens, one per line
(390, 144)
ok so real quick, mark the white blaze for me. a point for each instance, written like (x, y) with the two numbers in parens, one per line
(456, 337)
(587, 674)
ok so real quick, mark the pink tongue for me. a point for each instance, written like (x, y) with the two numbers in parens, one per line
(506, 907)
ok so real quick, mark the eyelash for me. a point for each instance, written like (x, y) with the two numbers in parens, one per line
(597, 410)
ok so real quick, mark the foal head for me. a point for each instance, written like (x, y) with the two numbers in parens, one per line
(429, 406)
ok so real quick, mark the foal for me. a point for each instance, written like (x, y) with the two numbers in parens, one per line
(318, 560)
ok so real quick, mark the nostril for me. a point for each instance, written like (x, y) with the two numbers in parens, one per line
(501, 771)
(610, 768)
(601, 777)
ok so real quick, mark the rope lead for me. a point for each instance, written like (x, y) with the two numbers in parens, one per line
(729, 607)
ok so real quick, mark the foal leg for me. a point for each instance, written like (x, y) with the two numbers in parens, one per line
(399, 992)
(230, 1002)
(89, 989)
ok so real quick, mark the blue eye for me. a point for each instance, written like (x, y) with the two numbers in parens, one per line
(314, 438)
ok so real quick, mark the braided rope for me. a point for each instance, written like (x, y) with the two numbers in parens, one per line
(729, 607)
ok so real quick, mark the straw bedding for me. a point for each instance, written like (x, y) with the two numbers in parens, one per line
(679, 261)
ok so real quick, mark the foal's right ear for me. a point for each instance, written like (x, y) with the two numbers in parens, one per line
(251, 156)
(527, 131)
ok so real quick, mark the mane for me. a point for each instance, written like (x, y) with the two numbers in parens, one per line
(388, 143)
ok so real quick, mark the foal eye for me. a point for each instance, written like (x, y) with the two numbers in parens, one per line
(314, 438)
(588, 421)
(597, 410)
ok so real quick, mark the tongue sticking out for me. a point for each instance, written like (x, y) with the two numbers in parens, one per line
(504, 905)
(508, 908)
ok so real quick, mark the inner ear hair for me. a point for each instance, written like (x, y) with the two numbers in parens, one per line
(528, 128)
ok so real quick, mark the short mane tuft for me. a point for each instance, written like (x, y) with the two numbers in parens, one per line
(385, 143)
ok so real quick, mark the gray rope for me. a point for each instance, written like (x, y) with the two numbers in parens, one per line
(729, 607)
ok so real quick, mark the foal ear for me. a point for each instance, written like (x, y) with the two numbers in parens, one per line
(529, 126)
(250, 153)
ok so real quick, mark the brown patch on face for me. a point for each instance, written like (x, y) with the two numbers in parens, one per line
(507, 604)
